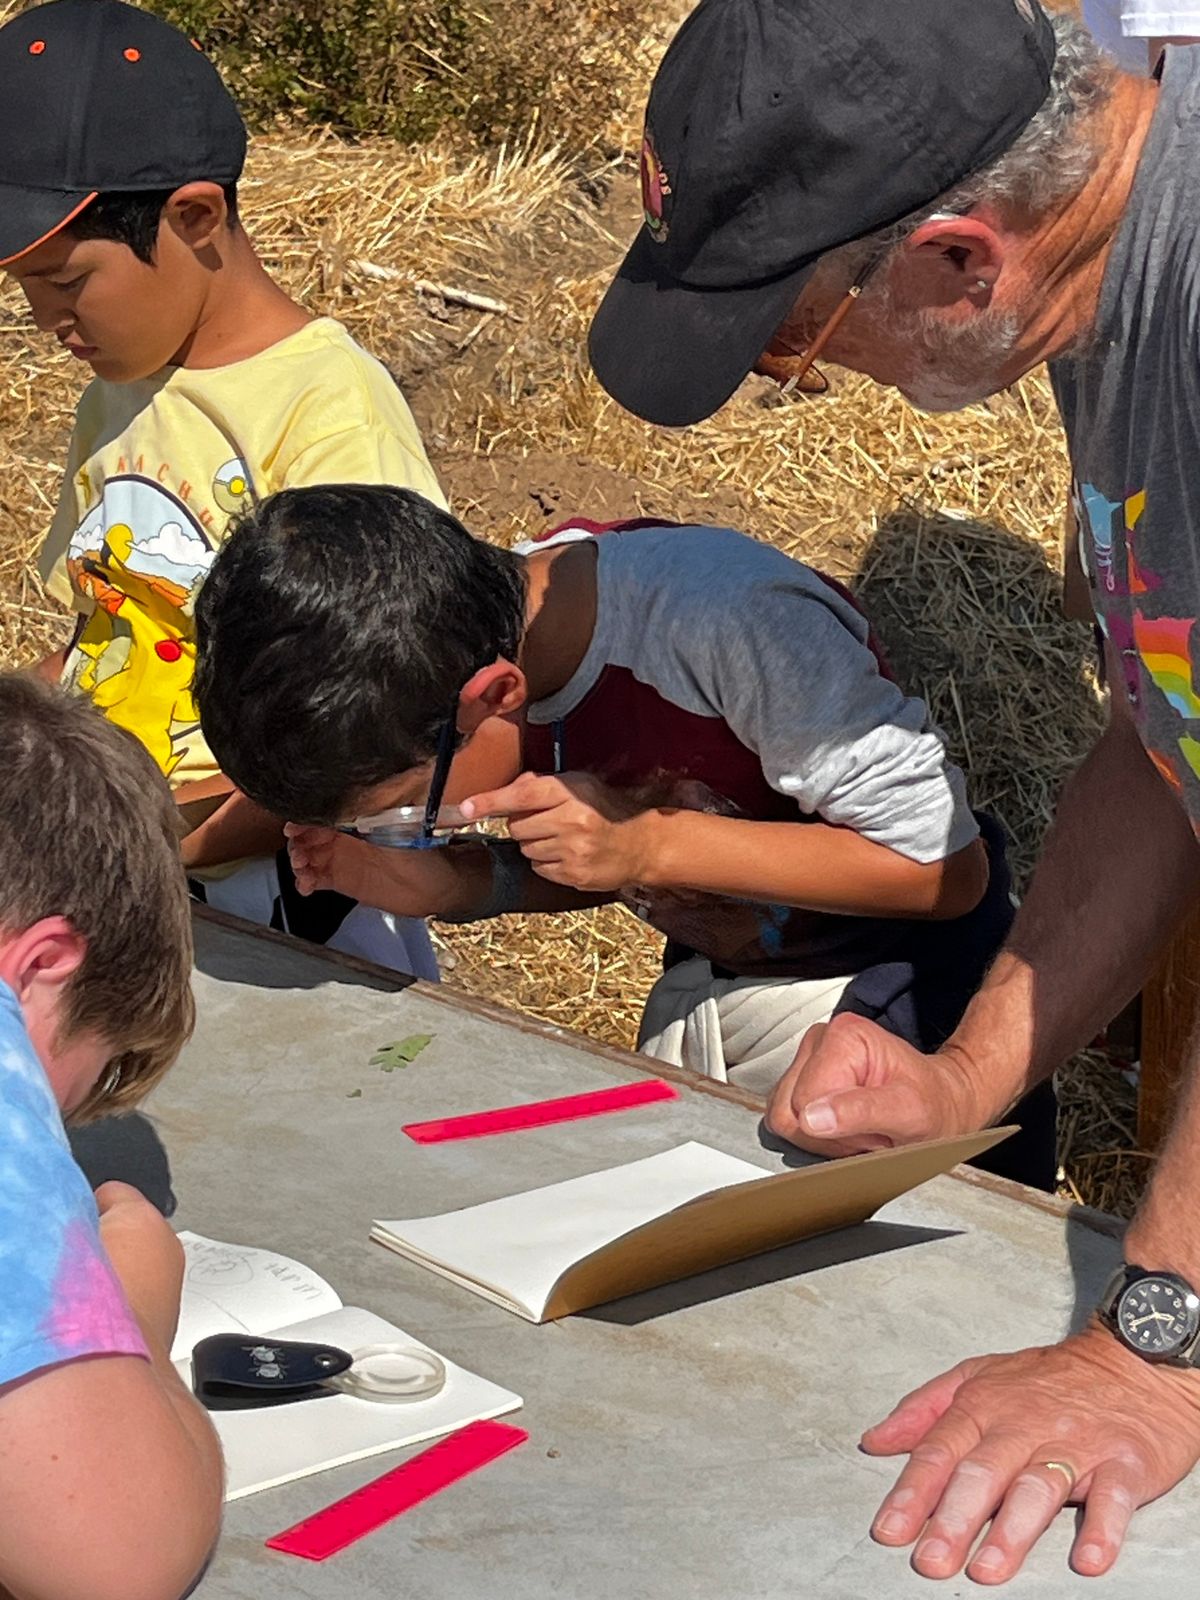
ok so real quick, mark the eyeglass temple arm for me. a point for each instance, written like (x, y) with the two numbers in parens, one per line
(840, 314)
(447, 740)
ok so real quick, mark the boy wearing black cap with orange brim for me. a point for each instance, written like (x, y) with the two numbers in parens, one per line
(120, 154)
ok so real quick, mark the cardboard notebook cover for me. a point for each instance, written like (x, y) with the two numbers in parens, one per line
(729, 1224)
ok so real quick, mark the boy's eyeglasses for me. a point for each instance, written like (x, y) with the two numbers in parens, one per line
(803, 376)
(446, 746)
(408, 827)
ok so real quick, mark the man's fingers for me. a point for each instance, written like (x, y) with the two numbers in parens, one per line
(975, 1488)
(920, 1487)
(1109, 1508)
(890, 1114)
(913, 1417)
(529, 792)
(1034, 1498)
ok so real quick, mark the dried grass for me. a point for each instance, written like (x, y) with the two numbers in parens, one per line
(949, 526)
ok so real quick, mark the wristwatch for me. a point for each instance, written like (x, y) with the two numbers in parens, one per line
(1154, 1314)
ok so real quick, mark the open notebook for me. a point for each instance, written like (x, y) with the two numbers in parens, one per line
(548, 1252)
(230, 1288)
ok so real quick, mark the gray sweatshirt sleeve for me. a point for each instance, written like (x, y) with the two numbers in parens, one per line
(795, 680)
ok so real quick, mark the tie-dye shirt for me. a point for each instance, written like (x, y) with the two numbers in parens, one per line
(1131, 404)
(59, 1297)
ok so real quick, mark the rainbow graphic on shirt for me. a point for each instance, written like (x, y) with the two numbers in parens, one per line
(1163, 643)
(1190, 749)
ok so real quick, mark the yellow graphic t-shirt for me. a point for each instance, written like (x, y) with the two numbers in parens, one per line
(157, 472)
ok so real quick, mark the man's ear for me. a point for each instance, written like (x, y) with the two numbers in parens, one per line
(39, 962)
(198, 214)
(497, 690)
(951, 258)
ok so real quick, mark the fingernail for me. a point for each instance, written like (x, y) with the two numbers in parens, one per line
(892, 1525)
(819, 1117)
(467, 808)
(933, 1550)
(988, 1559)
(1091, 1555)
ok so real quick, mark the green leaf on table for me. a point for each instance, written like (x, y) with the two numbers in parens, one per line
(355, 1094)
(401, 1053)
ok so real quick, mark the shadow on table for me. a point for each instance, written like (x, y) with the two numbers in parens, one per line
(127, 1150)
(793, 1261)
(1094, 1251)
(265, 959)
(1092, 1237)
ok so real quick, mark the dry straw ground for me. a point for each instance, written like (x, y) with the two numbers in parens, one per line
(949, 527)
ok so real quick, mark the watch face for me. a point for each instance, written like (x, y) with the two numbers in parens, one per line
(1158, 1316)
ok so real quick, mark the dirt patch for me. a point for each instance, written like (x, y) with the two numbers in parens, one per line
(509, 497)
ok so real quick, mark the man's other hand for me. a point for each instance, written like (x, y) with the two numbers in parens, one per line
(1011, 1439)
(854, 1087)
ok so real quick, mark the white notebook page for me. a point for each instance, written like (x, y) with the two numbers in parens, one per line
(235, 1288)
(519, 1246)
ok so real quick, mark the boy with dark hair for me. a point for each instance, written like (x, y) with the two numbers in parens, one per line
(109, 1471)
(683, 718)
(118, 218)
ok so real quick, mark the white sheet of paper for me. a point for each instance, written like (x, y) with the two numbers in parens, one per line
(235, 1288)
(514, 1250)
(278, 1443)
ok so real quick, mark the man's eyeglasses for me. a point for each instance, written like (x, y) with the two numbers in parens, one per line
(800, 373)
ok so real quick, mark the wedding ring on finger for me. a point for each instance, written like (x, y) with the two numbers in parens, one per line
(1064, 1467)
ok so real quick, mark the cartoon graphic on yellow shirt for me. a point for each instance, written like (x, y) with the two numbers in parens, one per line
(140, 556)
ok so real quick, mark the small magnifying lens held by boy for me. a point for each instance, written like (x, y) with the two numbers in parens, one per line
(404, 827)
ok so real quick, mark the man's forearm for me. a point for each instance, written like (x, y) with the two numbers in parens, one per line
(1119, 869)
(1165, 1234)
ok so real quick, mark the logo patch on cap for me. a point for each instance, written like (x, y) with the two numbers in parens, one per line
(656, 191)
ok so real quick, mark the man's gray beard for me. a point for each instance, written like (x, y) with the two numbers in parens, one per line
(957, 366)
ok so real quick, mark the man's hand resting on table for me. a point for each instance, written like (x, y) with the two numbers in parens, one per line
(853, 1087)
(979, 1439)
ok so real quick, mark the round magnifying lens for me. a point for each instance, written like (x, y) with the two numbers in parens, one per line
(404, 825)
(392, 1372)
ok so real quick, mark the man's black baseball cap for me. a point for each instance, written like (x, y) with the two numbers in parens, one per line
(97, 96)
(778, 130)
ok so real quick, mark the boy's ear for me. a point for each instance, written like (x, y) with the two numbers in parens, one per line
(497, 690)
(197, 214)
(39, 962)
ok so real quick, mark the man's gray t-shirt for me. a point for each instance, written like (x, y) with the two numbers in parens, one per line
(1131, 406)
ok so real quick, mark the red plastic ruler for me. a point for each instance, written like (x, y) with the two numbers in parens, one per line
(540, 1113)
(368, 1508)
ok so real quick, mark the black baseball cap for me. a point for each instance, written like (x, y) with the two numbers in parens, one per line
(97, 96)
(778, 130)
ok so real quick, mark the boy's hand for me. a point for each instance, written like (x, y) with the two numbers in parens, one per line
(323, 858)
(573, 830)
(409, 883)
(146, 1256)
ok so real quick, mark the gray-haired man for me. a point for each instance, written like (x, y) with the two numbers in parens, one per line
(943, 196)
